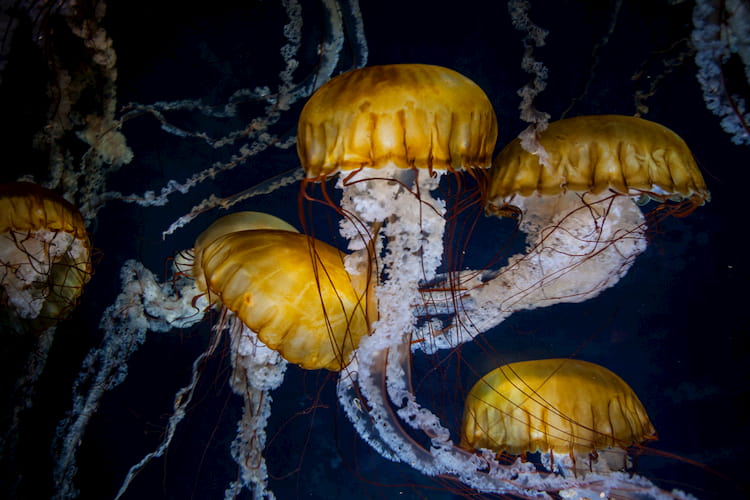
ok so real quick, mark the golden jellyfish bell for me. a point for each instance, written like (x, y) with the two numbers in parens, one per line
(45, 253)
(290, 289)
(560, 405)
(627, 155)
(408, 115)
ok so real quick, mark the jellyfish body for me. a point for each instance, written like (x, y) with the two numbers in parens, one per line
(561, 406)
(45, 254)
(580, 209)
(237, 221)
(291, 290)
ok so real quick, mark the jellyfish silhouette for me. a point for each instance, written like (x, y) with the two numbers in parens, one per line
(572, 411)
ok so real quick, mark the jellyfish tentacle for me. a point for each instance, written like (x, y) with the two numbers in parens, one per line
(144, 304)
(258, 370)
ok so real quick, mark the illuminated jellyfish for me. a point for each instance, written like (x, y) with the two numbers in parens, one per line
(291, 290)
(580, 416)
(284, 297)
(585, 230)
(579, 210)
(391, 132)
(45, 260)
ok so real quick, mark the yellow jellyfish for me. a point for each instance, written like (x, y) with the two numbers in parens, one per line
(579, 209)
(290, 289)
(45, 254)
(562, 406)
(391, 132)
(45, 260)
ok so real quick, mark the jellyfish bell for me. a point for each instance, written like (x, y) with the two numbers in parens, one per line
(597, 154)
(577, 414)
(289, 289)
(405, 115)
(45, 254)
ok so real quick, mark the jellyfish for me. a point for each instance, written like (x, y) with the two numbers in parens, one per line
(580, 211)
(284, 297)
(287, 298)
(485, 296)
(44, 251)
(45, 261)
(391, 132)
(576, 413)
(291, 290)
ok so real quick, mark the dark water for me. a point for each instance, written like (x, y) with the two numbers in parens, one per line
(675, 328)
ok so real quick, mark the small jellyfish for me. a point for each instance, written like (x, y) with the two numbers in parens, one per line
(564, 408)
(45, 255)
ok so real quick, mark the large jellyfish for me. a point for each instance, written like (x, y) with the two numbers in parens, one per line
(291, 290)
(392, 131)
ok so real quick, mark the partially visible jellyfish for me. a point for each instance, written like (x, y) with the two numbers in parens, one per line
(45, 254)
(45, 261)
(580, 211)
(284, 297)
(580, 416)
